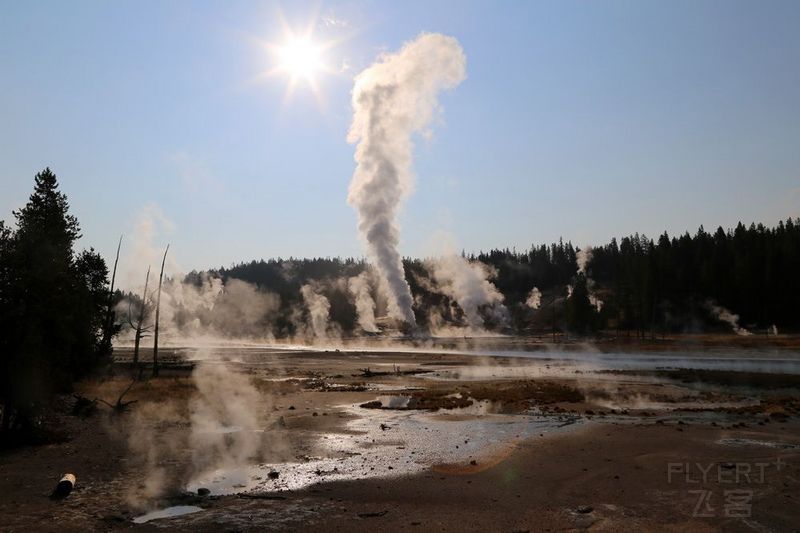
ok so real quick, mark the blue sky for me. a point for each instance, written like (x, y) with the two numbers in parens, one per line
(585, 120)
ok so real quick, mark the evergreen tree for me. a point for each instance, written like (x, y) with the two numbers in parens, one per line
(580, 313)
(51, 304)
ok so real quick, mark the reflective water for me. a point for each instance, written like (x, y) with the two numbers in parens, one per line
(169, 512)
(392, 443)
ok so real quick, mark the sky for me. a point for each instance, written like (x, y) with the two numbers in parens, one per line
(582, 120)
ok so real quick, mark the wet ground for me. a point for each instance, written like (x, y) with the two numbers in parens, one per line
(336, 436)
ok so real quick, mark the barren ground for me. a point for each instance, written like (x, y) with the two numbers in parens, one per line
(548, 446)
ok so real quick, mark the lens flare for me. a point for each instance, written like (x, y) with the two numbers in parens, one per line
(301, 58)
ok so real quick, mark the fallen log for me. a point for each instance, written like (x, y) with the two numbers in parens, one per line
(64, 487)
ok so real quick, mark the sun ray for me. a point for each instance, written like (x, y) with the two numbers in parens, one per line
(300, 57)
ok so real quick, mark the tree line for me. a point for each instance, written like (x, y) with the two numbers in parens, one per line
(56, 303)
(645, 285)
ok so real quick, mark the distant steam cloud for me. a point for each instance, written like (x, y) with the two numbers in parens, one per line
(534, 300)
(468, 284)
(139, 248)
(392, 99)
(319, 309)
(582, 259)
(197, 309)
(724, 315)
(359, 287)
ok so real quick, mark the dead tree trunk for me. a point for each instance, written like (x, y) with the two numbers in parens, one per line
(108, 330)
(139, 326)
(158, 309)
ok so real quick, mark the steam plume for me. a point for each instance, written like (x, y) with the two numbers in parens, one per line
(224, 420)
(392, 99)
(199, 308)
(365, 305)
(468, 284)
(318, 311)
(724, 315)
(582, 259)
(534, 300)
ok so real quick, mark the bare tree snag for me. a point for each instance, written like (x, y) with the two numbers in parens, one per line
(158, 309)
(108, 330)
(138, 325)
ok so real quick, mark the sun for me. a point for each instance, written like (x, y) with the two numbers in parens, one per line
(303, 56)
(300, 58)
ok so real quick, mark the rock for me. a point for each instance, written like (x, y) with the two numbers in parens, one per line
(274, 475)
(473, 462)
(202, 491)
(584, 509)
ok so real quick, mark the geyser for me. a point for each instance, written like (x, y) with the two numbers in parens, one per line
(392, 99)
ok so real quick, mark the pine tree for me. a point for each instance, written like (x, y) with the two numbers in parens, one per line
(51, 304)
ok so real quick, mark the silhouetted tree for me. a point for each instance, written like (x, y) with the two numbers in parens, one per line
(52, 304)
(580, 313)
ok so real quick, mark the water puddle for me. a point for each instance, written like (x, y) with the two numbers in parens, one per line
(169, 512)
(391, 443)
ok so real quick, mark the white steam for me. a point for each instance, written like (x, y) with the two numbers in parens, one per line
(225, 433)
(724, 315)
(582, 259)
(359, 287)
(468, 284)
(534, 300)
(201, 308)
(318, 308)
(392, 99)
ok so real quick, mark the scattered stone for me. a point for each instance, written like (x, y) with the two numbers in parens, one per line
(260, 496)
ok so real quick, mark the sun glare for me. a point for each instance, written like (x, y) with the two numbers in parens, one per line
(300, 58)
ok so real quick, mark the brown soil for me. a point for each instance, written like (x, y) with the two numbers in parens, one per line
(611, 474)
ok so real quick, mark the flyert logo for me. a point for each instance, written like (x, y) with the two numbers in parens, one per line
(734, 497)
